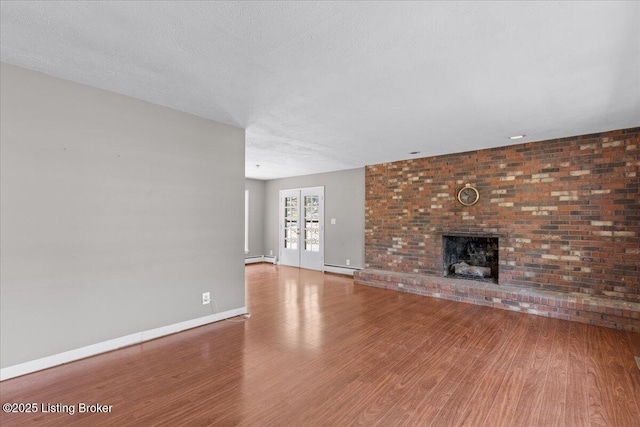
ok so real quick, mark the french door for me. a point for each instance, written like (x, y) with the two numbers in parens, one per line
(301, 228)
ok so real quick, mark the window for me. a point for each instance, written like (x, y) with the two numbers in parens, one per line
(291, 229)
(311, 224)
(246, 221)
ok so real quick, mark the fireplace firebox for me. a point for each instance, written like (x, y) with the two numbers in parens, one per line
(471, 257)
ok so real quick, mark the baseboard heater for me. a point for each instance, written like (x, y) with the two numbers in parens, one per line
(260, 258)
(340, 269)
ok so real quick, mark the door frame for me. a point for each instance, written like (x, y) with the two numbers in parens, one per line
(311, 260)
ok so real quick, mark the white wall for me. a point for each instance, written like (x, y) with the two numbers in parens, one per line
(344, 201)
(116, 215)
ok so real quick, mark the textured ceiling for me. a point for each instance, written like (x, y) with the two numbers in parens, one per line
(324, 86)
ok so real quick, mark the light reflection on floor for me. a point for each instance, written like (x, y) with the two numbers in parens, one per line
(303, 321)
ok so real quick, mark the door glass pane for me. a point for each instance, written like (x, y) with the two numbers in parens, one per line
(291, 228)
(311, 224)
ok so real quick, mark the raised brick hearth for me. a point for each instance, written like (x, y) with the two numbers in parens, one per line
(567, 212)
(567, 306)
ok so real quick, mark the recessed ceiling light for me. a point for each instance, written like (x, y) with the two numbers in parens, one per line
(414, 152)
(517, 136)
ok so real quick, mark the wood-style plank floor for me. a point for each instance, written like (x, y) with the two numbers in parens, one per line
(321, 351)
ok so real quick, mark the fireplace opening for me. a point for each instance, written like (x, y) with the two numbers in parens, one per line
(471, 257)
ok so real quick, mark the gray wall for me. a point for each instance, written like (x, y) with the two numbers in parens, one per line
(116, 215)
(256, 216)
(344, 201)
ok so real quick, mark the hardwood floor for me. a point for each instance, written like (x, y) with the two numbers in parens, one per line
(320, 351)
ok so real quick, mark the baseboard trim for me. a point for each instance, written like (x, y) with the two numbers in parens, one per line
(337, 269)
(114, 344)
(260, 258)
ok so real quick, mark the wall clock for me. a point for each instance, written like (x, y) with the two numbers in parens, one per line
(468, 195)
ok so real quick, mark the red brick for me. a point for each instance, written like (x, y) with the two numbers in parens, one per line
(575, 223)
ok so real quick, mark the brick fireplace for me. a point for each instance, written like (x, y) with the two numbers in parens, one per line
(567, 213)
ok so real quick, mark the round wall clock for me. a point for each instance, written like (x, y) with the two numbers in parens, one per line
(468, 195)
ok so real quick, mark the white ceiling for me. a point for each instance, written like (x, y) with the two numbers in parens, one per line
(324, 86)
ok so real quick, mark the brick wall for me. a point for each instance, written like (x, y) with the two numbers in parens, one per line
(566, 211)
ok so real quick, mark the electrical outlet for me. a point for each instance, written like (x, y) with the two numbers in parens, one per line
(348, 261)
(271, 252)
(206, 298)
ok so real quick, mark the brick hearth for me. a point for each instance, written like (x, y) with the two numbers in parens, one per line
(576, 307)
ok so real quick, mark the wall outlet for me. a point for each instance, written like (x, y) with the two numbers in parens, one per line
(271, 252)
(206, 298)
(348, 261)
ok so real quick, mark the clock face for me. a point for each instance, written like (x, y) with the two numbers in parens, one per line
(468, 195)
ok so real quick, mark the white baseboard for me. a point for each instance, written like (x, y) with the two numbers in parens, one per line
(260, 258)
(340, 270)
(116, 343)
